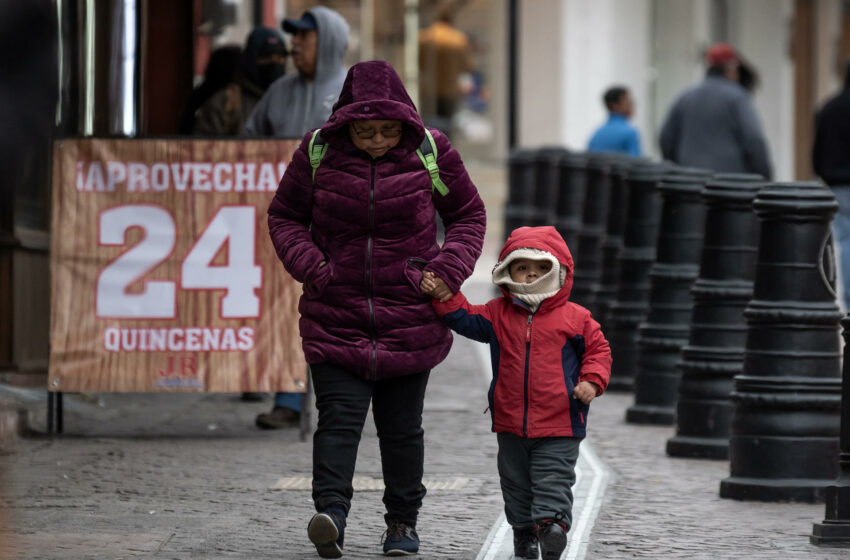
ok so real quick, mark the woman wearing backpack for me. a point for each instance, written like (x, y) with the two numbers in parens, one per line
(357, 226)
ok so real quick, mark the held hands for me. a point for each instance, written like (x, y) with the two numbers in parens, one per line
(585, 391)
(434, 287)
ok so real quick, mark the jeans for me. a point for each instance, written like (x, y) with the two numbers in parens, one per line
(841, 231)
(343, 400)
(537, 476)
(289, 400)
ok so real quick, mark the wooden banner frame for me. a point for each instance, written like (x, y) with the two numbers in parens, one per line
(154, 284)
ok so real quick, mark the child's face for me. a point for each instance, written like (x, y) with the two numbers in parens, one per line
(526, 271)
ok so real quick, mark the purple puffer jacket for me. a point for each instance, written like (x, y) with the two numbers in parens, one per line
(373, 221)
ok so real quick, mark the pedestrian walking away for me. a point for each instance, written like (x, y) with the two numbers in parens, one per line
(617, 135)
(445, 55)
(714, 125)
(831, 161)
(550, 360)
(292, 106)
(354, 220)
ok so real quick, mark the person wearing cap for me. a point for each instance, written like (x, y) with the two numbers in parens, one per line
(831, 161)
(262, 62)
(303, 101)
(293, 106)
(714, 125)
(617, 135)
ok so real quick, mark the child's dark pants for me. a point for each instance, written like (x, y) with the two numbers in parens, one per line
(537, 475)
(343, 402)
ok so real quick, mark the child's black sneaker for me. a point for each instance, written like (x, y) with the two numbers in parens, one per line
(552, 537)
(326, 530)
(525, 542)
(400, 539)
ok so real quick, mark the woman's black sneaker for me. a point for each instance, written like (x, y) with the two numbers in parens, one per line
(400, 539)
(326, 530)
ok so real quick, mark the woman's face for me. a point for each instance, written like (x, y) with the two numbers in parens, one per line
(375, 137)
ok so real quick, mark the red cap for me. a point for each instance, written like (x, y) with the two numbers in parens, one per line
(719, 54)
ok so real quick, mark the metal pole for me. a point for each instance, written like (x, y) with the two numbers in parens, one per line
(87, 128)
(60, 414)
(513, 78)
(51, 403)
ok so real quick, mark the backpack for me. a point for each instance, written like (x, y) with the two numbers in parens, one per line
(427, 152)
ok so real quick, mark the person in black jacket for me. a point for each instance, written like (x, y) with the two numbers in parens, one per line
(831, 160)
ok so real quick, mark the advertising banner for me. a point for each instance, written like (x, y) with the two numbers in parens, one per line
(162, 272)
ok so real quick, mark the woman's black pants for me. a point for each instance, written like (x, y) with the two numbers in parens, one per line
(343, 400)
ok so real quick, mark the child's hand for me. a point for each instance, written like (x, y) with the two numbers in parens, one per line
(434, 287)
(427, 285)
(585, 391)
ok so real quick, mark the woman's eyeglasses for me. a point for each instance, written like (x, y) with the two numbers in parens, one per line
(367, 133)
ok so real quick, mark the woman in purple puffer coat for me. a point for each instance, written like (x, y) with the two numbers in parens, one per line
(359, 235)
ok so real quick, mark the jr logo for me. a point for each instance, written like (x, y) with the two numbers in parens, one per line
(179, 366)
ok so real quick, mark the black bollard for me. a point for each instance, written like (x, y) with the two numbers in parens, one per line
(665, 331)
(546, 185)
(612, 244)
(519, 210)
(572, 181)
(643, 211)
(783, 441)
(835, 529)
(715, 350)
(588, 255)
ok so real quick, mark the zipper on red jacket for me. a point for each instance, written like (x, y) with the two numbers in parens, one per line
(374, 362)
(527, 360)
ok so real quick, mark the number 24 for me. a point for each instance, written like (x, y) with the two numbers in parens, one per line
(240, 277)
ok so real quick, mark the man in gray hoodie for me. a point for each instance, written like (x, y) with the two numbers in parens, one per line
(292, 106)
(713, 125)
(296, 104)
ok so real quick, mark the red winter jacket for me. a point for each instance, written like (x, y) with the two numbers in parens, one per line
(538, 358)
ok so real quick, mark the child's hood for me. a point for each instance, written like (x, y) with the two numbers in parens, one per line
(373, 91)
(542, 238)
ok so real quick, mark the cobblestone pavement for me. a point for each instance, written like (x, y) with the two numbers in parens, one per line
(188, 476)
(661, 507)
(185, 476)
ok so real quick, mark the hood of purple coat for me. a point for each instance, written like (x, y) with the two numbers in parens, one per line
(373, 91)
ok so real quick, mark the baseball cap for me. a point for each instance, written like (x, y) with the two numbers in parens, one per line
(719, 54)
(307, 22)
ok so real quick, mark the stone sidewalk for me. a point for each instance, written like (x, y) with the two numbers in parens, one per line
(188, 476)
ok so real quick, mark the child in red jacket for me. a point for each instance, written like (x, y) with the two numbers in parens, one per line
(550, 359)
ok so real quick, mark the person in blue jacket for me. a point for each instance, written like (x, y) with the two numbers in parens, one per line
(617, 134)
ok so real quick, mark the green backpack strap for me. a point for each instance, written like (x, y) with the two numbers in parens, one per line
(317, 150)
(427, 152)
